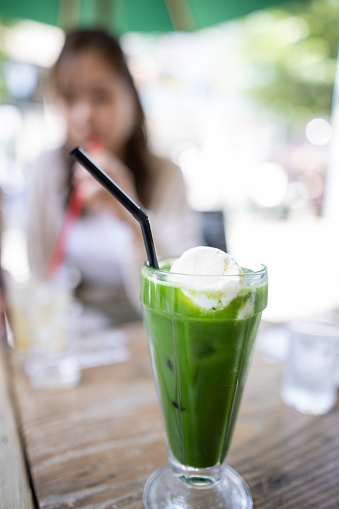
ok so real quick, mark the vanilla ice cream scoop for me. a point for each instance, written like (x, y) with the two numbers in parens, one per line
(206, 261)
(209, 291)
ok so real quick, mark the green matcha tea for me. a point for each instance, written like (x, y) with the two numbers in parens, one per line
(200, 359)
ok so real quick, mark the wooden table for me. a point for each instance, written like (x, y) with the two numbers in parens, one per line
(94, 446)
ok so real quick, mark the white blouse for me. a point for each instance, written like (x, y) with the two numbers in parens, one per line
(104, 249)
(96, 246)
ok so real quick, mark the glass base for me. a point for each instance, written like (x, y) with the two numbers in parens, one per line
(53, 374)
(164, 490)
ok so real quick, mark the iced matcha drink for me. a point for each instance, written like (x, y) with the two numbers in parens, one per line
(201, 331)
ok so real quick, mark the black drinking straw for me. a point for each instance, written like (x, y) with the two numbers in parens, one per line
(81, 157)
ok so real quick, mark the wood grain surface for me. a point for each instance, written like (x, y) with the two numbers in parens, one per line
(15, 492)
(93, 447)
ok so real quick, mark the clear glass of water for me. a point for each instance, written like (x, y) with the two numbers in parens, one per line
(309, 379)
(51, 330)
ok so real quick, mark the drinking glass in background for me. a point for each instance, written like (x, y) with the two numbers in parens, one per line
(309, 382)
(45, 324)
(17, 304)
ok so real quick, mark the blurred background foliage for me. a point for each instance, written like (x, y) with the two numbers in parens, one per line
(292, 52)
(4, 24)
(288, 53)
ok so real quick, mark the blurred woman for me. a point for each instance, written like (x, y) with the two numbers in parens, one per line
(103, 114)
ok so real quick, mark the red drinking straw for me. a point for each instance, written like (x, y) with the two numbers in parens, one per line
(72, 214)
(73, 211)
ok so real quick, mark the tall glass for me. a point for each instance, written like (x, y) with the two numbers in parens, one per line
(200, 345)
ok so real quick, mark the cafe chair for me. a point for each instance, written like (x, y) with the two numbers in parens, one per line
(213, 228)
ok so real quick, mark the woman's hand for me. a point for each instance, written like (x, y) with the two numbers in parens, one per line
(95, 196)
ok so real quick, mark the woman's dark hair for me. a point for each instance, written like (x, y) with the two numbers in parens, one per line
(109, 49)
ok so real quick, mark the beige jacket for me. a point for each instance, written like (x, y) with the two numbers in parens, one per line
(174, 227)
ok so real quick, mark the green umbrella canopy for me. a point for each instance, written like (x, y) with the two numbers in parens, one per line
(132, 15)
